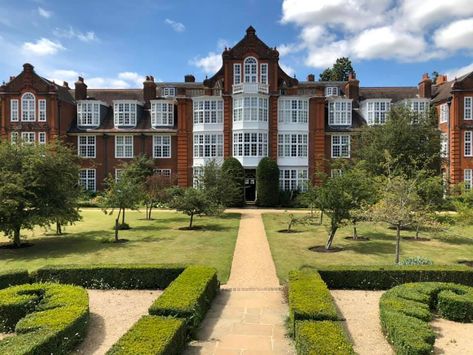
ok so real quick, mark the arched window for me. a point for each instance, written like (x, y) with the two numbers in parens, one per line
(251, 70)
(28, 107)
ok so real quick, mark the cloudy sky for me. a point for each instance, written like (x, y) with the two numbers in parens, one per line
(114, 43)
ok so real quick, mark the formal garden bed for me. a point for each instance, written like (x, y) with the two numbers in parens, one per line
(48, 315)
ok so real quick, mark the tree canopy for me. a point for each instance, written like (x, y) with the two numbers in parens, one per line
(340, 70)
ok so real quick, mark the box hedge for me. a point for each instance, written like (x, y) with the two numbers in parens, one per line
(110, 276)
(13, 277)
(386, 277)
(321, 338)
(152, 335)
(47, 318)
(189, 296)
(406, 311)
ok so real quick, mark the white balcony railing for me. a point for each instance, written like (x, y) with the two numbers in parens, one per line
(250, 88)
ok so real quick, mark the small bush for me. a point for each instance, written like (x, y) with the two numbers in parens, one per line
(267, 183)
(416, 260)
(109, 276)
(48, 318)
(152, 335)
(189, 296)
(13, 277)
(321, 338)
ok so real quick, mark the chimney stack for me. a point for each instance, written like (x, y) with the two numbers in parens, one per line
(352, 88)
(311, 77)
(66, 85)
(441, 79)
(149, 88)
(189, 78)
(80, 92)
(425, 87)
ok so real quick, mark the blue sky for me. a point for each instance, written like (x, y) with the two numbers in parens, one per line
(116, 43)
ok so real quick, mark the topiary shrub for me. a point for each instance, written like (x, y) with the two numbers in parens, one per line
(233, 170)
(267, 183)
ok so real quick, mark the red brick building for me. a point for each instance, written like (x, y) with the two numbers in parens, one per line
(249, 109)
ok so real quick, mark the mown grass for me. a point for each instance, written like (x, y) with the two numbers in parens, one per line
(291, 250)
(157, 241)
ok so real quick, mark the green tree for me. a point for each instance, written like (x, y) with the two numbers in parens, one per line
(340, 70)
(234, 172)
(267, 183)
(157, 192)
(195, 202)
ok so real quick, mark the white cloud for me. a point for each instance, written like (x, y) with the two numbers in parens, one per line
(122, 80)
(324, 56)
(176, 26)
(457, 35)
(70, 33)
(61, 75)
(132, 77)
(42, 47)
(209, 64)
(44, 13)
(457, 72)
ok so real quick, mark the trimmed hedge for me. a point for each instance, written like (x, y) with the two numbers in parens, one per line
(14, 277)
(47, 318)
(152, 335)
(110, 276)
(309, 298)
(386, 277)
(321, 338)
(267, 183)
(189, 296)
(406, 311)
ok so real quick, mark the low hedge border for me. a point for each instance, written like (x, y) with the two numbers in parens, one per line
(406, 311)
(110, 276)
(189, 296)
(47, 318)
(386, 277)
(152, 335)
(321, 337)
(14, 277)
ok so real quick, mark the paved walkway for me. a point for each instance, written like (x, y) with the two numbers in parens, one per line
(248, 315)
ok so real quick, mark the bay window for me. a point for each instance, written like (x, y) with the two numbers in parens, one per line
(339, 112)
(292, 145)
(250, 108)
(254, 144)
(208, 145)
(293, 110)
(208, 111)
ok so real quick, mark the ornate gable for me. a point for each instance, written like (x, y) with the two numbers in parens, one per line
(251, 44)
(28, 80)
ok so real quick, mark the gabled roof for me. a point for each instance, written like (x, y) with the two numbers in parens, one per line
(394, 93)
(108, 95)
(443, 92)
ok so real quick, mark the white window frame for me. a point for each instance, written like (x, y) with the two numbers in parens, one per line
(250, 144)
(444, 145)
(236, 73)
(468, 178)
(118, 174)
(264, 73)
(42, 110)
(208, 145)
(125, 113)
(88, 113)
(468, 144)
(28, 137)
(162, 145)
(168, 92)
(124, 146)
(162, 113)
(444, 113)
(88, 179)
(377, 111)
(208, 111)
(468, 108)
(340, 112)
(293, 145)
(86, 146)
(341, 146)
(28, 107)
(293, 110)
(250, 108)
(14, 110)
(336, 172)
(293, 179)
(250, 65)
(41, 137)
(14, 137)
(331, 91)
(163, 172)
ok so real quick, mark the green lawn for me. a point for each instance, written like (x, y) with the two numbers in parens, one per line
(290, 251)
(156, 241)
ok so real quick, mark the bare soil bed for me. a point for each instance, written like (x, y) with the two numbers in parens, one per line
(361, 311)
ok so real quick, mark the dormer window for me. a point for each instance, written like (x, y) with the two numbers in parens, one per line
(339, 112)
(162, 113)
(125, 113)
(377, 111)
(251, 70)
(168, 92)
(88, 113)
(28, 107)
(331, 91)
(418, 106)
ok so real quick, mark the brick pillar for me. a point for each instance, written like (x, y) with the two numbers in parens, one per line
(316, 137)
(52, 113)
(227, 126)
(273, 127)
(184, 135)
(455, 142)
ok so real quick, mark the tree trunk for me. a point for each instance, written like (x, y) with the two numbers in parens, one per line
(16, 238)
(146, 211)
(289, 226)
(150, 209)
(116, 230)
(417, 231)
(355, 233)
(191, 220)
(321, 217)
(123, 217)
(398, 244)
(58, 228)
(331, 235)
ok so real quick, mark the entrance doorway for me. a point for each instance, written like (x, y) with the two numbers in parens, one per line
(250, 185)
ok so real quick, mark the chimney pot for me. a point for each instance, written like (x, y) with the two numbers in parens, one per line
(65, 84)
(189, 78)
(311, 77)
(80, 92)
(352, 76)
(149, 89)
(425, 87)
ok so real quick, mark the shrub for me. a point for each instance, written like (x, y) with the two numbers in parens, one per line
(309, 298)
(50, 318)
(416, 260)
(109, 276)
(385, 277)
(405, 311)
(152, 335)
(321, 337)
(13, 277)
(189, 296)
(267, 183)
(233, 170)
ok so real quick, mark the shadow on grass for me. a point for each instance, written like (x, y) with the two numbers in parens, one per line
(456, 240)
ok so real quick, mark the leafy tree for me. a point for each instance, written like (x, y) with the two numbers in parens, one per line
(463, 202)
(195, 202)
(234, 173)
(140, 168)
(405, 145)
(267, 183)
(339, 71)
(157, 192)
